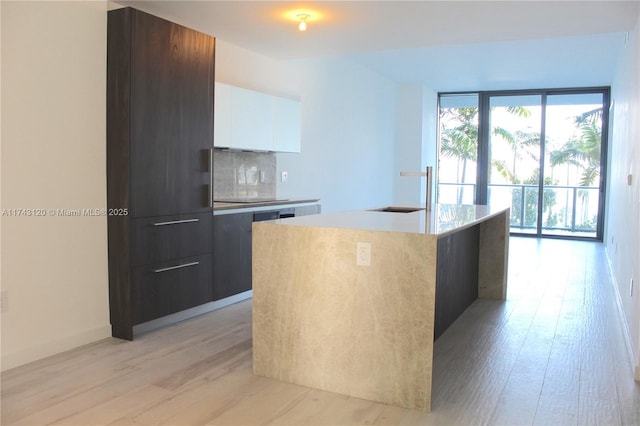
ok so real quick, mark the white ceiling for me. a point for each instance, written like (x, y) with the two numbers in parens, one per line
(406, 40)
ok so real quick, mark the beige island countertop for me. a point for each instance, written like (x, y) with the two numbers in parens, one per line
(322, 318)
(443, 219)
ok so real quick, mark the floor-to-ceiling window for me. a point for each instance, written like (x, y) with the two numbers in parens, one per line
(543, 152)
(458, 150)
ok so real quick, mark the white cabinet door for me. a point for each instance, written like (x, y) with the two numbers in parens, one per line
(251, 120)
(286, 125)
(222, 116)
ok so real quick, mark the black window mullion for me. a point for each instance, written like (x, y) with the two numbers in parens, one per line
(604, 147)
(483, 168)
(543, 135)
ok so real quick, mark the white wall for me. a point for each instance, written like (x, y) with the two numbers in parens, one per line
(54, 269)
(623, 221)
(348, 125)
(430, 135)
(416, 142)
(240, 67)
(408, 190)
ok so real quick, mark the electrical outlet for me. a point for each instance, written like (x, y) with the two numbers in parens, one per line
(284, 176)
(363, 254)
(4, 301)
(631, 287)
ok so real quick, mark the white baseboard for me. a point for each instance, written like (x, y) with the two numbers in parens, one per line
(67, 343)
(635, 363)
(53, 347)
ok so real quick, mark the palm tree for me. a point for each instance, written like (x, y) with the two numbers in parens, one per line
(583, 151)
(461, 141)
(520, 142)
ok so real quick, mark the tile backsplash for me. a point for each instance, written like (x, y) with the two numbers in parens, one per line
(241, 174)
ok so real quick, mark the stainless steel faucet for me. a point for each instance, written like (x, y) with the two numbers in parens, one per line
(429, 175)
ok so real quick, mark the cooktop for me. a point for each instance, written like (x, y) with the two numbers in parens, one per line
(250, 200)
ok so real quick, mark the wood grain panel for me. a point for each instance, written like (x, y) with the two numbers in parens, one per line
(457, 276)
(172, 84)
(163, 238)
(156, 294)
(118, 167)
(232, 247)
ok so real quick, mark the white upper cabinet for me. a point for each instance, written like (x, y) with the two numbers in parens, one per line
(253, 121)
(286, 125)
(222, 116)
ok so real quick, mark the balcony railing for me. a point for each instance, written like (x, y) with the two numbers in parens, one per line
(566, 209)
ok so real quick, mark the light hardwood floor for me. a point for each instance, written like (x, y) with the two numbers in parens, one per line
(553, 354)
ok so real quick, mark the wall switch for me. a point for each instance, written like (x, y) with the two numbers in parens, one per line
(284, 176)
(4, 301)
(363, 254)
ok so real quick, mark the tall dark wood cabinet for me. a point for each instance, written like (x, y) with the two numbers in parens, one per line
(160, 83)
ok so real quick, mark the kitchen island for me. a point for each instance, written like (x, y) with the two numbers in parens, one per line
(352, 302)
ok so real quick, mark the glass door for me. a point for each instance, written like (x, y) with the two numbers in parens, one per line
(573, 164)
(542, 152)
(514, 158)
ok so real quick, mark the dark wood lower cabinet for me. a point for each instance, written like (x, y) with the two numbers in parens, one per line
(165, 288)
(232, 248)
(456, 276)
(166, 264)
(158, 266)
(162, 238)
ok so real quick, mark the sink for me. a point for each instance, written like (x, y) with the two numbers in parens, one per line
(394, 209)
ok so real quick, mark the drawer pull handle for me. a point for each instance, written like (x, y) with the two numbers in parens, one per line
(210, 188)
(170, 268)
(176, 222)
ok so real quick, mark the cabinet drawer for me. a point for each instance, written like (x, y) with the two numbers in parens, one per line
(165, 288)
(159, 239)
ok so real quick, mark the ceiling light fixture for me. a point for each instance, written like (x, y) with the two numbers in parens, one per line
(302, 17)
